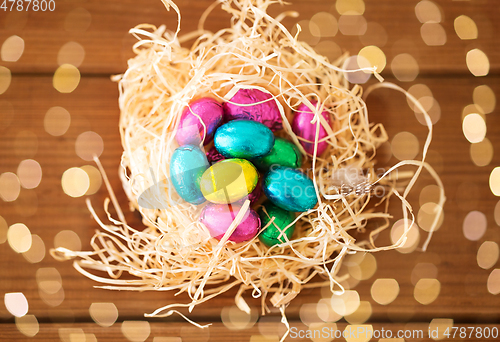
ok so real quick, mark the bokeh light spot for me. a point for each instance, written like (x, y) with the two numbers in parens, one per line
(474, 128)
(405, 146)
(484, 97)
(372, 56)
(19, 237)
(352, 25)
(326, 23)
(16, 303)
(88, 145)
(68, 239)
(384, 291)
(482, 152)
(66, 78)
(495, 181)
(427, 290)
(57, 121)
(5, 79)
(433, 34)
(465, 27)
(477, 62)
(27, 325)
(29, 172)
(405, 67)
(474, 225)
(12, 49)
(428, 12)
(78, 20)
(71, 53)
(104, 314)
(75, 182)
(36, 253)
(487, 254)
(10, 187)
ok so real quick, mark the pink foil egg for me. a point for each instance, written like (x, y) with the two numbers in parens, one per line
(191, 130)
(218, 217)
(266, 112)
(302, 126)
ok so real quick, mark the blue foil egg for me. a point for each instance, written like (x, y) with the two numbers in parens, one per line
(243, 139)
(289, 189)
(187, 165)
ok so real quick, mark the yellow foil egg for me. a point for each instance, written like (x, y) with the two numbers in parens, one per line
(229, 180)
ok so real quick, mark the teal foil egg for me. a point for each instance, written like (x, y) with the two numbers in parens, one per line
(284, 153)
(243, 139)
(275, 233)
(289, 189)
(187, 165)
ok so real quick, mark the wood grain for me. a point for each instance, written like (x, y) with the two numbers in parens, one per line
(463, 296)
(160, 332)
(94, 107)
(108, 45)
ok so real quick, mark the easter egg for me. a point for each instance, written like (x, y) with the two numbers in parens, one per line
(289, 189)
(191, 130)
(302, 126)
(214, 156)
(187, 165)
(229, 180)
(243, 106)
(275, 232)
(218, 217)
(243, 139)
(284, 153)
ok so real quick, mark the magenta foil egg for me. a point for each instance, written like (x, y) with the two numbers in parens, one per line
(301, 125)
(191, 130)
(218, 217)
(214, 156)
(266, 112)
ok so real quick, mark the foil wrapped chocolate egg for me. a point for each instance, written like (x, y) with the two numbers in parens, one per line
(191, 130)
(187, 165)
(214, 156)
(289, 189)
(302, 126)
(218, 217)
(284, 153)
(242, 106)
(243, 139)
(228, 181)
(281, 226)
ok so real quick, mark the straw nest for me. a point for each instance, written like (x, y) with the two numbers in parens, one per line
(175, 251)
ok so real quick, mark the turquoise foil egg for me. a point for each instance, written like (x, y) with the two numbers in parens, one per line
(289, 189)
(244, 139)
(187, 165)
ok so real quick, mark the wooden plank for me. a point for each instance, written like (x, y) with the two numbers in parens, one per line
(93, 106)
(168, 332)
(108, 45)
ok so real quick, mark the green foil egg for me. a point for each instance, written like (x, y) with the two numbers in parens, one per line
(273, 234)
(284, 153)
(243, 139)
(289, 189)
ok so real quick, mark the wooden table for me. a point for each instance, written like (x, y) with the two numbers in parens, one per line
(463, 296)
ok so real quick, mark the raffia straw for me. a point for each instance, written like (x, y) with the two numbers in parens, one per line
(175, 252)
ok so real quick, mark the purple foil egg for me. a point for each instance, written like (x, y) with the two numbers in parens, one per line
(266, 112)
(191, 130)
(214, 156)
(218, 217)
(301, 125)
